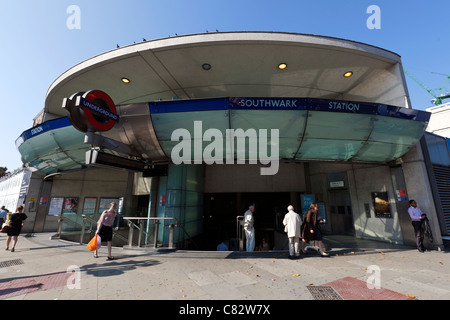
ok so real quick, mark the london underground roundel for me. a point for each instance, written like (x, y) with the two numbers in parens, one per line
(91, 111)
(100, 110)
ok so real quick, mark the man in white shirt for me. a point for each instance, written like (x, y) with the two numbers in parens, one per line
(293, 222)
(249, 228)
(416, 217)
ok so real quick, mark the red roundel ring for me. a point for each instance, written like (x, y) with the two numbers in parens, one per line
(97, 94)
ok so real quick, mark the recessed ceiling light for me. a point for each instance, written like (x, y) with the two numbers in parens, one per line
(282, 66)
(126, 80)
(206, 66)
(348, 74)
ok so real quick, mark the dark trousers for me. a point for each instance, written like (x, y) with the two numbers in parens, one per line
(419, 234)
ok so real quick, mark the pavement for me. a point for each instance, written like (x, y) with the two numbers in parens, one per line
(45, 269)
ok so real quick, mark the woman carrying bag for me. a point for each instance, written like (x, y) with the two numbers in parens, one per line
(104, 228)
(311, 229)
(16, 222)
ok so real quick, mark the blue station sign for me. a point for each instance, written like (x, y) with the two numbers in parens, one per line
(309, 104)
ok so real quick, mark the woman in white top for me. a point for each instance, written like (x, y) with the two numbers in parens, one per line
(104, 228)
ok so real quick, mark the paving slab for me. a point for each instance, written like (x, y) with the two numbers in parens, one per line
(41, 271)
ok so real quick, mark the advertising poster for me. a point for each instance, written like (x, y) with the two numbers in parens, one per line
(306, 199)
(56, 205)
(381, 205)
(70, 205)
(89, 205)
(104, 204)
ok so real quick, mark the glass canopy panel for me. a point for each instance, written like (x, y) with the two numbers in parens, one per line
(27, 152)
(195, 122)
(338, 126)
(396, 130)
(307, 126)
(59, 149)
(289, 123)
(381, 152)
(327, 149)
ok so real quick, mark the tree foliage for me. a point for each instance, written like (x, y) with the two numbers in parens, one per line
(3, 171)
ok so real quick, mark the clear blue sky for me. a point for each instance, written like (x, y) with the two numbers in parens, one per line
(37, 47)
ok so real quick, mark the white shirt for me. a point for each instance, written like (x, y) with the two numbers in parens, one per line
(415, 213)
(248, 220)
(293, 223)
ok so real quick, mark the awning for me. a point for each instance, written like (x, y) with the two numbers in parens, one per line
(307, 130)
(53, 146)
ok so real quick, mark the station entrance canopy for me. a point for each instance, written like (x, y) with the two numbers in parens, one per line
(308, 130)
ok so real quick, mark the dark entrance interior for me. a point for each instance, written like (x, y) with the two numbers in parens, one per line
(221, 210)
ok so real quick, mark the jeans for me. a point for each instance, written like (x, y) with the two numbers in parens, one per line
(250, 239)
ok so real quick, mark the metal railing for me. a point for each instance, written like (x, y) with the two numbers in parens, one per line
(88, 225)
(141, 225)
(92, 221)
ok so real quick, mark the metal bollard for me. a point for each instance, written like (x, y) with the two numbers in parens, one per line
(171, 229)
(141, 231)
(83, 229)
(156, 234)
(130, 234)
(60, 225)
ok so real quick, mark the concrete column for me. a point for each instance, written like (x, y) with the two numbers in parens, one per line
(419, 188)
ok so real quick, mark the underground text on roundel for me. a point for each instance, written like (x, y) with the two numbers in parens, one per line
(209, 147)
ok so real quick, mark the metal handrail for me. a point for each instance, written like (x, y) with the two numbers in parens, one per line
(92, 221)
(156, 229)
(85, 218)
(131, 225)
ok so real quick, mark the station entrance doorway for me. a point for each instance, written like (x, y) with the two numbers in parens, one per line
(341, 215)
(222, 209)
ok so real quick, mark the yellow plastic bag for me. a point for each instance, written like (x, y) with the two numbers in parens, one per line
(92, 245)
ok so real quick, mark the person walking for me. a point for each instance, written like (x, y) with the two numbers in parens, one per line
(16, 222)
(417, 217)
(3, 215)
(249, 228)
(104, 228)
(311, 229)
(292, 224)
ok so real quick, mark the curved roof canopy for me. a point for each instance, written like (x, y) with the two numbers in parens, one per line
(330, 75)
(233, 64)
(199, 131)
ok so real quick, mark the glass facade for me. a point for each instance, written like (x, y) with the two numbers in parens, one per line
(185, 200)
(439, 149)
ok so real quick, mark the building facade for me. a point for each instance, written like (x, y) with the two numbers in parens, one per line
(196, 128)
